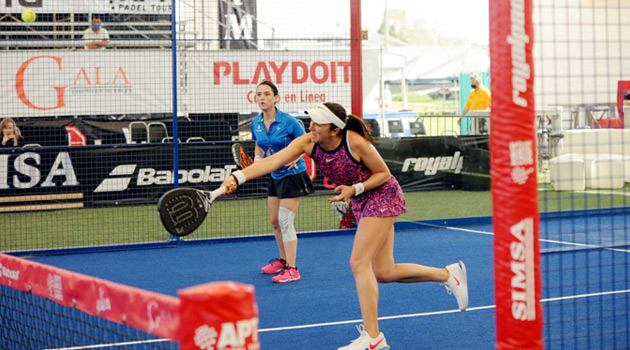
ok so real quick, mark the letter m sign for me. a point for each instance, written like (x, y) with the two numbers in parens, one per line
(238, 24)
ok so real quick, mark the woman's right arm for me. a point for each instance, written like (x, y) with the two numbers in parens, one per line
(268, 164)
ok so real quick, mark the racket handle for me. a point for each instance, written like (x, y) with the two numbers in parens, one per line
(217, 193)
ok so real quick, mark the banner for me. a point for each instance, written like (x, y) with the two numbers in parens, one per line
(37, 84)
(88, 6)
(237, 24)
(516, 219)
(139, 174)
(438, 163)
(116, 82)
(150, 312)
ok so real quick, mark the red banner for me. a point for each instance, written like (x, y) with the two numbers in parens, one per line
(150, 312)
(519, 316)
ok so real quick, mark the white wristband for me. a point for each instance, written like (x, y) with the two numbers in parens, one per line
(240, 177)
(257, 158)
(358, 188)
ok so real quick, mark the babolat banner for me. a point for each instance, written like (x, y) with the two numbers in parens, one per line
(107, 175)
(69, 177)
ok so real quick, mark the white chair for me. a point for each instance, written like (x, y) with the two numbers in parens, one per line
(170, 139)
(567, 173)
(605, 172)
(157, 132)
(139, 132)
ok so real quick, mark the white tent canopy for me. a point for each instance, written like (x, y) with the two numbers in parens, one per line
(430, 65)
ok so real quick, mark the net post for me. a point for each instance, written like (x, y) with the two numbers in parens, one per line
(356, 58)
(519, 316)
(221, 315)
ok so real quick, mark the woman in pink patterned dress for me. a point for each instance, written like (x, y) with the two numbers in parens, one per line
(343, 151)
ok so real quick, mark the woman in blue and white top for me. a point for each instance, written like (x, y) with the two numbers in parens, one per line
(273, 130)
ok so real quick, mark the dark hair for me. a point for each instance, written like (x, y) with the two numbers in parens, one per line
(271, 85)
(627, 95)
(353, 122)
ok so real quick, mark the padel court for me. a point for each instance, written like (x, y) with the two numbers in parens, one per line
(321, 311)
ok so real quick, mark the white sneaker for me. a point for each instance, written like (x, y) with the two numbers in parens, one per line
(365, 342)
(457, 284)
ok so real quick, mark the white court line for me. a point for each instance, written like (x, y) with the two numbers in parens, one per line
(433, 313)
(97, 346)
(328, 324)
(540, 239)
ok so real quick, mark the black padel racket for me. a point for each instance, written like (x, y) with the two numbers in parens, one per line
(182, 210)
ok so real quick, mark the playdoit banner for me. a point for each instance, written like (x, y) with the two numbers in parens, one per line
(113, 82)
(87, 6)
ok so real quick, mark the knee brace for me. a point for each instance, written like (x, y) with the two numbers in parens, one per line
(286, 218)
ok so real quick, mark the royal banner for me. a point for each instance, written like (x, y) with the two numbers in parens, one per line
(115, 82)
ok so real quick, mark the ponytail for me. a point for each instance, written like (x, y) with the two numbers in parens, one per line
(353, 122)
(357, 125)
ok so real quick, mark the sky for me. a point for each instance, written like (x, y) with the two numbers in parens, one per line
(462, 18)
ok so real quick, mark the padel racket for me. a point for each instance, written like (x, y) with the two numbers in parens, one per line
(240, 157)
(182, 210)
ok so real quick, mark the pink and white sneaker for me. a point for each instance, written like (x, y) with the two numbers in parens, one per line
(365, 342)
(289, 274)
(457, 284)
(274, 266)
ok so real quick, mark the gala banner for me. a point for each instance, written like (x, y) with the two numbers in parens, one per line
(113, 82)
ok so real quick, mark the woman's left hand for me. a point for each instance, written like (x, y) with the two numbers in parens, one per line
(345, 192)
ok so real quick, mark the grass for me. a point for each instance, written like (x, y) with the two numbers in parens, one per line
(233, 217)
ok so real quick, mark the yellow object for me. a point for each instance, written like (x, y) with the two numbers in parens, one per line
(28, 16)
(479, 99)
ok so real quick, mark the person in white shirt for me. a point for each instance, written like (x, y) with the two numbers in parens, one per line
(96, 37)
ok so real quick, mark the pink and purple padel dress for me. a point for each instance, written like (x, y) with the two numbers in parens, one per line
(342, 169)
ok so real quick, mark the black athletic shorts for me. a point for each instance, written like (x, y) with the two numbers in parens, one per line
(291, 186)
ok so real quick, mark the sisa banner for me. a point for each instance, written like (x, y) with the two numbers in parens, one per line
(112, 82)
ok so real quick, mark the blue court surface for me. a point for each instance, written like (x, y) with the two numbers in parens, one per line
(321, 311)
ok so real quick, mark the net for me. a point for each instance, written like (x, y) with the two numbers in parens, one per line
(118, 103)
(42, 307)
(565, 73)
(33, 322)
(581, 62)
